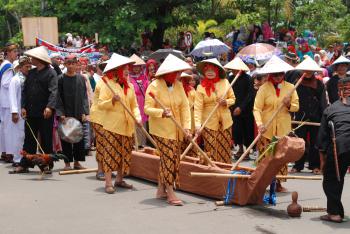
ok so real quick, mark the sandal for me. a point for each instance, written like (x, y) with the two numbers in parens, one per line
(123, 184)
(316, 171)
(162, 196)
(329, 218)
(294, 170)
(176, 202)
(280, 188)
(79, 167)
(19, 170)
(109, 189)
(67, 168)
(100, 176)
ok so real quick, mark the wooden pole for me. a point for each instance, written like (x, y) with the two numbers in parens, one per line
(237, 176)
(78, 171)
(210, 115)
(306, 123)
(268, 123)
(178, 125)
(131, 114)
(314, 209)
(221, 164)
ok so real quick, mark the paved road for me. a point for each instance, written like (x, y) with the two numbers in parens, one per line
(78, 204)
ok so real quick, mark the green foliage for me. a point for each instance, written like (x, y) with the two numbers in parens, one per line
(322, 17)
(121, 22)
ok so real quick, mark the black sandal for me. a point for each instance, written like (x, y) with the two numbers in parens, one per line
(329, 219)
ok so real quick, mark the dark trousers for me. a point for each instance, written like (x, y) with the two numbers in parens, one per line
(74, 152)
(243, 129)
(331, 186)
(311, 153)
(44, 128)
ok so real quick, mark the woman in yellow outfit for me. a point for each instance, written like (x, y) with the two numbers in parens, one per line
(118, 125)
(191, 95)
(170, 92)
(217, 134)
(269, 96)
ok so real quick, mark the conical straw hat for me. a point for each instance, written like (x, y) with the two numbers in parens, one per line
(237, 64)
(214, 61)
(172, 64)
(116, 61)
(340, 60)
(39, 53)
(308, 65)
(275, 65)
(184, 75)
(138, 61)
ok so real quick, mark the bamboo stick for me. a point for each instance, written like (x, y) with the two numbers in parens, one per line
(268, 123)
(314, 209)
(221, 164)
(131, 114)
(178, 125)
(237, 176)
(210, 115)
(306, 123)
(78, 171)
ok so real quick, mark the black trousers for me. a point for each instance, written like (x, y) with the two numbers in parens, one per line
(331, 186)
(44, 128)
(311, 153)
(74, 152)
(243, 129)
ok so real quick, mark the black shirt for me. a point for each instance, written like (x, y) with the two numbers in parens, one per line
(332, 89)
(72, 100)
(39, 91)
(339, 114)
(244, 93)
(312, 102)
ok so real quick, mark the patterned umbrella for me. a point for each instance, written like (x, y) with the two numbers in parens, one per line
(214, 47)
(258, 52)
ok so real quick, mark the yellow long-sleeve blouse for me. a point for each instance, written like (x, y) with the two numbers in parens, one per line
(203, 105)
(173, 98)
(95, 112)
(266, 102)
(191, 97)
(115, 118)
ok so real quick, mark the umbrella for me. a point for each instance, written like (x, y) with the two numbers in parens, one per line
(161, 54)
(214, 47)
(258, 52)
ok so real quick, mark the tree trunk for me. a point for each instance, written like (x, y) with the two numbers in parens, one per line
(158, 32)
(276, 18)
(8, 27)
(269, 12)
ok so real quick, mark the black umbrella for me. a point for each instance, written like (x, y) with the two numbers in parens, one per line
(161, 54)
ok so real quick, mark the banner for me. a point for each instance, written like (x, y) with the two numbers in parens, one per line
(86, 51)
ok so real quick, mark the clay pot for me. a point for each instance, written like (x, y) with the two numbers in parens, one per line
(294, 209)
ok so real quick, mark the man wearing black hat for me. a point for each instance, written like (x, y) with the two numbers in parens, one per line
(6, 75)
(334, 146)
(38, 101)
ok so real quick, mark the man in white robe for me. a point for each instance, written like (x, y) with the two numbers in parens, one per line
(17, 123)
(7, 73)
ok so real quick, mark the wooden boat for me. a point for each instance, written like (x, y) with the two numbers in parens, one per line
(145, 165)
